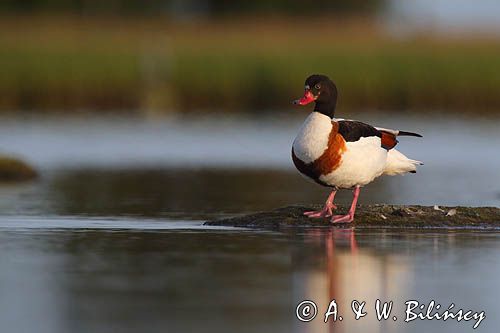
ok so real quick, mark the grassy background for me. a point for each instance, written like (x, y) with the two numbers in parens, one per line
(70, 63)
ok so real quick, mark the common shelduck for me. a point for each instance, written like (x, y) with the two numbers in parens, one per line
(343, 154)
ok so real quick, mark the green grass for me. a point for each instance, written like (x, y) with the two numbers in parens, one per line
(141, 65)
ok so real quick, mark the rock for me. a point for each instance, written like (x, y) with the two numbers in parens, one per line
(12, 169)
(373, 216)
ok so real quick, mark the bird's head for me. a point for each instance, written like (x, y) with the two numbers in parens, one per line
(321, 90)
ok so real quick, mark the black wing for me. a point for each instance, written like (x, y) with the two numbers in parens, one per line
(352, 130)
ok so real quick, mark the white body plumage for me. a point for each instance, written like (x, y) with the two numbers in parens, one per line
(361, 161)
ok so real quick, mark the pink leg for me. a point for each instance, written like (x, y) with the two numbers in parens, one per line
(350, 216)
(327, 211)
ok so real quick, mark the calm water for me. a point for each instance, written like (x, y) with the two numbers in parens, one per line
(110, 238)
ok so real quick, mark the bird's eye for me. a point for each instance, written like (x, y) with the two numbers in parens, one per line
(317, 86)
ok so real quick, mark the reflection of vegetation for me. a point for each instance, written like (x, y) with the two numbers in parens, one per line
(186, 193)
(171, 192)
(12, 169)
(144, 64)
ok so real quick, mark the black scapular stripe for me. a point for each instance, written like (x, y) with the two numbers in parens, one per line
(352, 131)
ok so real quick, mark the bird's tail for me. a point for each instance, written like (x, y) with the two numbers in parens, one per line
(397, 163)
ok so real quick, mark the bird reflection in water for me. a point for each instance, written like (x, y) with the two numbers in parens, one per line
(333, 266)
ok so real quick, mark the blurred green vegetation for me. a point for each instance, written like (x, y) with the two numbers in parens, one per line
(64, 63)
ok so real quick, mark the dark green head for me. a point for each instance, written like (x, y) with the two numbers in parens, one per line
(321, 90)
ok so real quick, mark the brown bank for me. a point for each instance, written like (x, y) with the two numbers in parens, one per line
(374, 216)
(15, 170)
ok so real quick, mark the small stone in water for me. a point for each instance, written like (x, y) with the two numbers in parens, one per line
(451, 212)
(436, 207)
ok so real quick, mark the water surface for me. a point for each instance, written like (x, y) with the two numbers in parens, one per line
(111, 237)
(126, 279)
